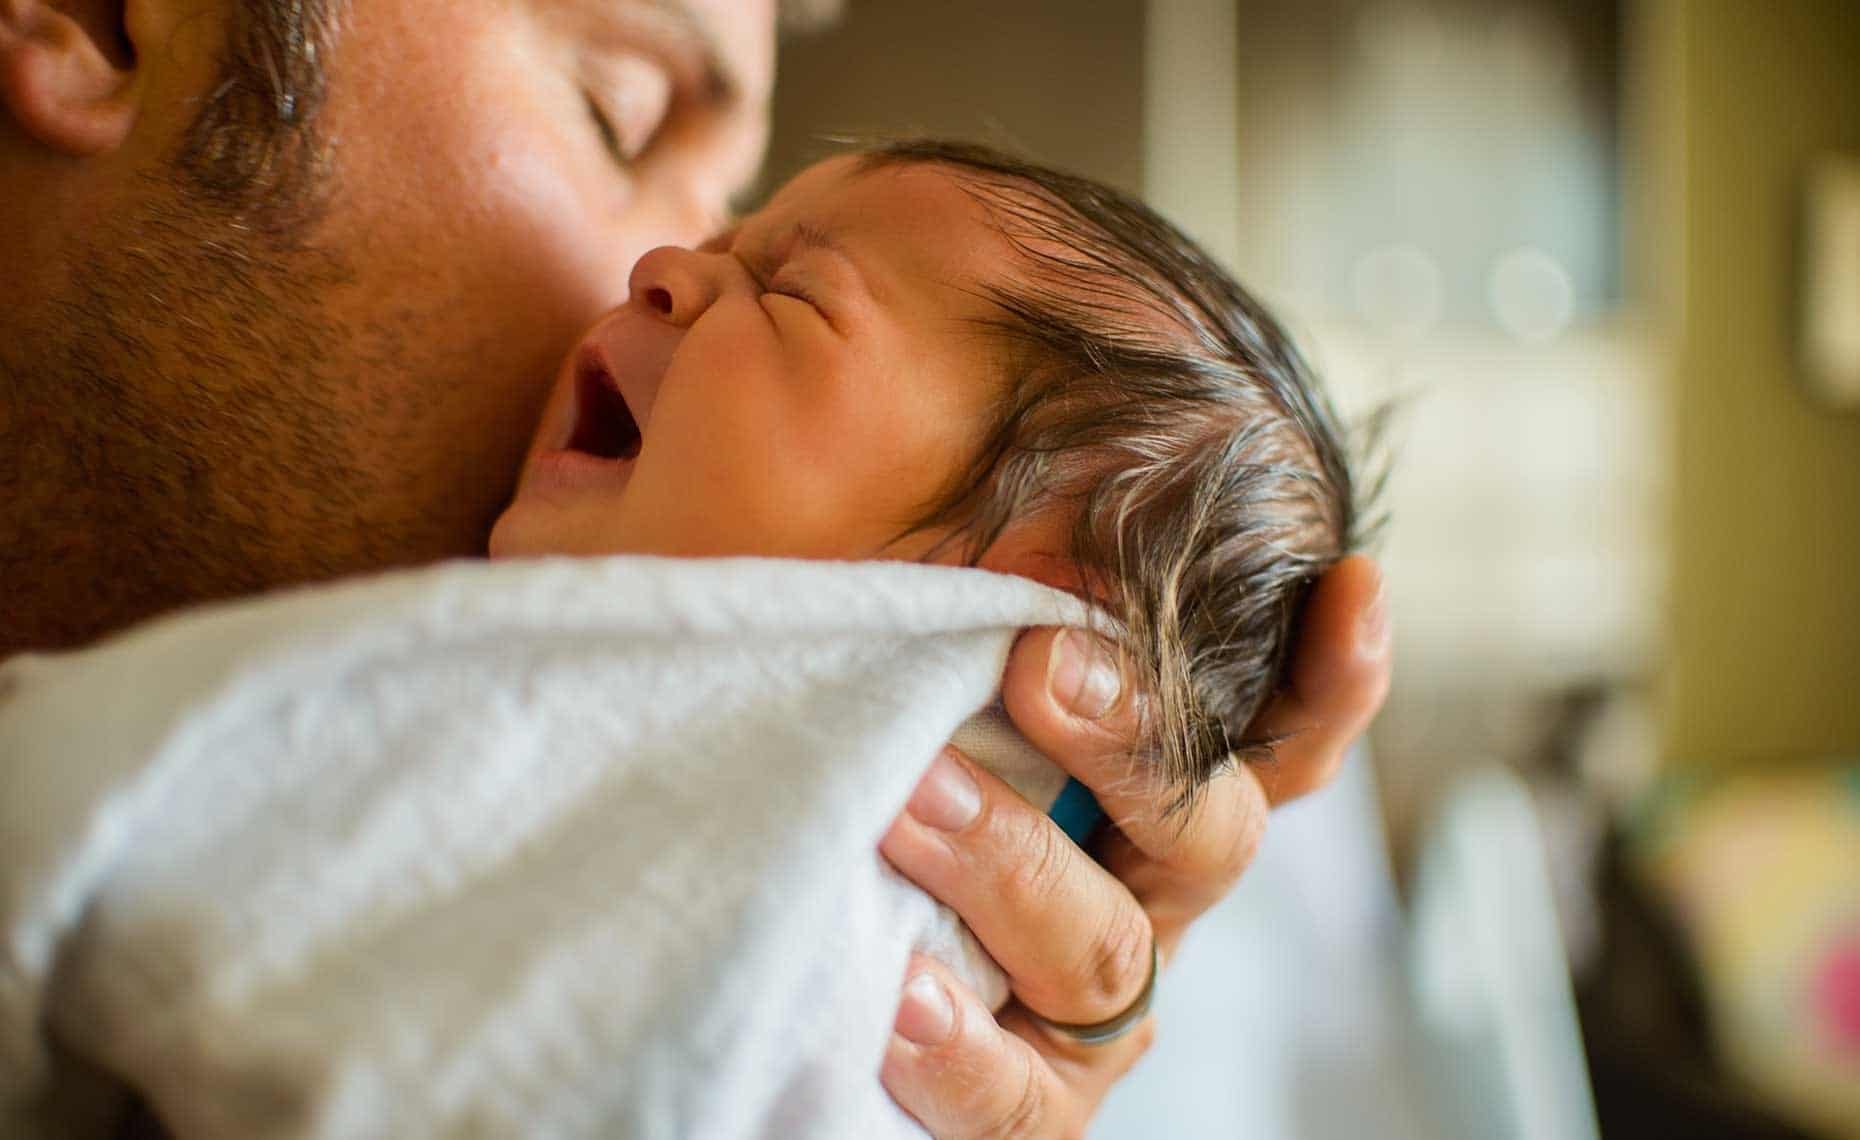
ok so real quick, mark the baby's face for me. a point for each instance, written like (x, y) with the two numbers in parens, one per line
(805, 385)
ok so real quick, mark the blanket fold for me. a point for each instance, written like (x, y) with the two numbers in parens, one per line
(553, 849)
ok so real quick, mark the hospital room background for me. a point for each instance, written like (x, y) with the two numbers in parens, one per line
(1596, 871)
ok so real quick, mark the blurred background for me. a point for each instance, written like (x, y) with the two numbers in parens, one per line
(1598, 867)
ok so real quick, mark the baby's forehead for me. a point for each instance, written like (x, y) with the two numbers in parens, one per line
(924, 220)
(933, 200)
(989, 235)
(1052, 258)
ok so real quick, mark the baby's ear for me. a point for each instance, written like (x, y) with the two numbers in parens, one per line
(1031, 549)
(1048, 570)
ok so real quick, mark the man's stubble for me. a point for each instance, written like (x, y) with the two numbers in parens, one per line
(185, 424)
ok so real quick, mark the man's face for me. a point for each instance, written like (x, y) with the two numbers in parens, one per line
(211, 411)
(498, 167)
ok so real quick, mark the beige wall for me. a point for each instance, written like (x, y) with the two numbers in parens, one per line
(1059, 80)
(1765, 630)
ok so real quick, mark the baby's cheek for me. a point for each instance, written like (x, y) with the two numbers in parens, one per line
(865, 505)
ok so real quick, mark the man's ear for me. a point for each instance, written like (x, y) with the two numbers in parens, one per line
(67, 73)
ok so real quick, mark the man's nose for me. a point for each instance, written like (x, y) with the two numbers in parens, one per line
(679, 284)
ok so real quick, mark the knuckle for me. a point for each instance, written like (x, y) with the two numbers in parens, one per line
(1243, 842)
(1221, 845)
(1039, 873)
(1120, 960)
(1024, 1116)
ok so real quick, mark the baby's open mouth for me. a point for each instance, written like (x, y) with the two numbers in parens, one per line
(604, 425)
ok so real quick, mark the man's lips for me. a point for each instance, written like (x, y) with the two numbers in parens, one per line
(603, 424)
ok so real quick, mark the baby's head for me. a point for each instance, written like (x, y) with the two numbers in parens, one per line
(934, 351)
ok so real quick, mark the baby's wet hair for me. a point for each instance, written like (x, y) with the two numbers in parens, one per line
(1148, 394)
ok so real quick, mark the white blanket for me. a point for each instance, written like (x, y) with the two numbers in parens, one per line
(544, 850)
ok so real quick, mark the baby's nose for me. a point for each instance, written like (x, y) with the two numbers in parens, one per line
(677, 284)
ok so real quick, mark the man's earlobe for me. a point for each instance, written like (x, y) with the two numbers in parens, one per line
(63, 78)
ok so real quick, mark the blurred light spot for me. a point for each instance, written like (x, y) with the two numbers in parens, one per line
(1837, 992)
(1398, 291)
(1531, 294)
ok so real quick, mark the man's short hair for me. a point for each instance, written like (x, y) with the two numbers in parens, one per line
(252, 149)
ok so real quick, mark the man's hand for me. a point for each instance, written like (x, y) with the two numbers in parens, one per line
(1075, 936)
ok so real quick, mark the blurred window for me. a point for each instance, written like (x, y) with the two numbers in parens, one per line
(1411, 163)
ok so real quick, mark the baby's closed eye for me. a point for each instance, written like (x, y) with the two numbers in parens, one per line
(786, 284)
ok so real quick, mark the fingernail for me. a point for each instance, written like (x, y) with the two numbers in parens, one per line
(1083, 677)
(926, 1015)
(947, 798)
(1375, 620)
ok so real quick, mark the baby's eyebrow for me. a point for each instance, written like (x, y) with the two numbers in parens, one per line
(811, 235)
(769, 251)
(767, 257)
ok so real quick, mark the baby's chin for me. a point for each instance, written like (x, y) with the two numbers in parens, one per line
(529, 528)
(540, 525)
(512, 534)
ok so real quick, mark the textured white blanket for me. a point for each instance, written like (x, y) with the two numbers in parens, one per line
(544, 850)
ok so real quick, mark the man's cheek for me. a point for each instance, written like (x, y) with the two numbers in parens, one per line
(553, 246)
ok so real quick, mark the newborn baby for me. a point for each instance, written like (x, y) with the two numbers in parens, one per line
(567, 848)
(935, 352)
